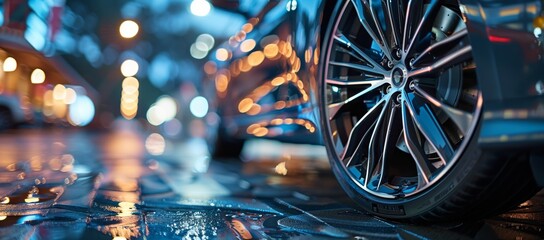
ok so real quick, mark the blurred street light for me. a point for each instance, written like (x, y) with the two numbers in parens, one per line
(59, 92)
(81, 111)
(129, 68)
(207, 40)
(163, 110)
(199, 106)
(222, 54)
(71, 96)
(37, 76)
(10, 64)
(129, 97)
(129, 29)
(155, 144)
(196, 52)
(247, 45)
(200, 8)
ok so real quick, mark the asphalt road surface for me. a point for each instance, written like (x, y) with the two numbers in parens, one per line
(128, 184)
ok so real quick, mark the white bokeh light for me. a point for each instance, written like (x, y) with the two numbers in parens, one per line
(129, 68)
(199, 106)
(10, 64)
(167, 107)
(200, 8)
(153, 116)
(207, 40)
(196, 52)
(71, 96)
(128, 29)
(81, 111)
(37, 76)
(164, 110)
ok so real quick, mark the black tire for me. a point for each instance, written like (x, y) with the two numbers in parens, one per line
(467, 185)
(226, 147)
(6, 119)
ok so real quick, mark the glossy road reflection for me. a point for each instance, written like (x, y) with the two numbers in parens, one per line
(126, 184)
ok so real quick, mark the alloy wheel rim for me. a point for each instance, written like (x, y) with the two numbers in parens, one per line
(401, 96)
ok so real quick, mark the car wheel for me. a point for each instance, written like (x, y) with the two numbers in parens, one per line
(400, 106)
(6, 119)
(226, 147)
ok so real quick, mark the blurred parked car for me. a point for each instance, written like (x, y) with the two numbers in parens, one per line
(429, 110)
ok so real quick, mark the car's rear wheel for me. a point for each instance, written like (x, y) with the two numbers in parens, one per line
(400, 107)
(6, 119)
(224, 146)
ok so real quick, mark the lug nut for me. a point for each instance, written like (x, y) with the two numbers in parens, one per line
(396, 53)
(390, 64)
(412, 62)
(412, 85)
(399, 98)
(388, 89)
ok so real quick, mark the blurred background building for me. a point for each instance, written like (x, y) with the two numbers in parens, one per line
(91, 62)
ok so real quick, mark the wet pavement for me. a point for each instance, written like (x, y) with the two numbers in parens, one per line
(126, 184)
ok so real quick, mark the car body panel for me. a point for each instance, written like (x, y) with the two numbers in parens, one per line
(508, 48)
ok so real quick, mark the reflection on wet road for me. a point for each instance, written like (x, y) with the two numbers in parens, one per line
(66, 184)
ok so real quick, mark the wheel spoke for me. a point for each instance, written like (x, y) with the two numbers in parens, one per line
(391, 14)
(440, 47)
(430, 127)
(462, 119)
(376, 141)
(334, 108)
(424, 26)
(415, 148)
(412, 13)
(360, 129)
(391, 136)
(373, 13)
(338, 82)
(356, 66)
(342, 39)
(360, 9)
(459, 56)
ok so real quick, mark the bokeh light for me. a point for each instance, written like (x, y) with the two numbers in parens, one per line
(196, 52)
(129, 68)
(71, 96)
(59, 92)
(10, 65)
(37, 76)
(155, 144)
(172, 128)
(129, 97)
(200, 8)
(81, 111)
(222, 54)
(163, 110)
(247, 45)
(167, 107)
(199, 106)
(153, 116)
(129, 29)
(207, 40)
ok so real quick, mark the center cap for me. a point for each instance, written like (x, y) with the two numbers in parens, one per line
(398, 76)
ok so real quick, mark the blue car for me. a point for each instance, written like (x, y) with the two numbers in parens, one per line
(430, 110)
